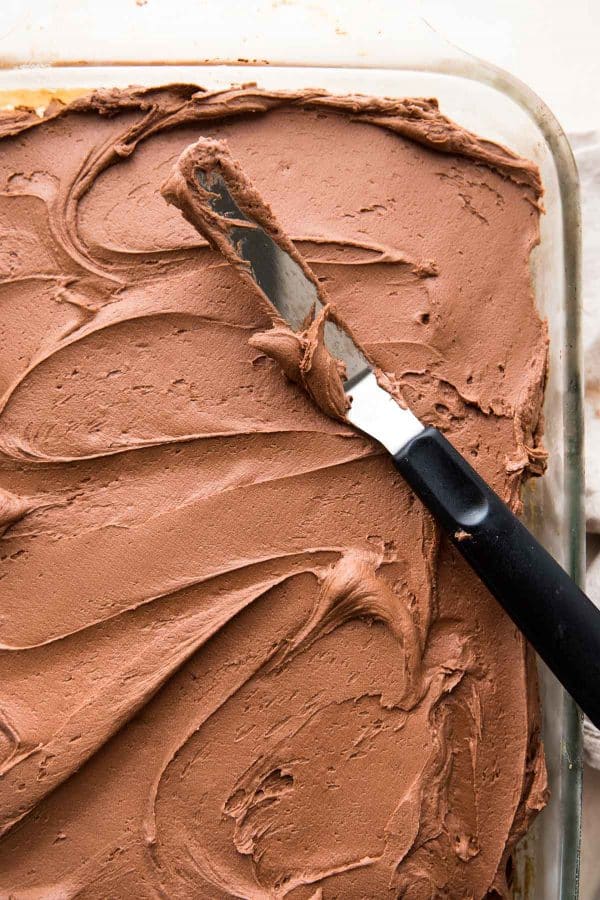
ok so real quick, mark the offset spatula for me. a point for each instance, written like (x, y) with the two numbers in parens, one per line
(545, 603)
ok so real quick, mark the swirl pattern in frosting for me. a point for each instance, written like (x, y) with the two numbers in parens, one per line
(237, 658)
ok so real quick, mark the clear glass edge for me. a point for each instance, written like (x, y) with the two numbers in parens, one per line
(459, 64)
(572, 750)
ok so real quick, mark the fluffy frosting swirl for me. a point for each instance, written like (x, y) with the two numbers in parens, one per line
(237, 659)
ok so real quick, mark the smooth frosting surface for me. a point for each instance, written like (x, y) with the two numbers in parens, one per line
(237, 658)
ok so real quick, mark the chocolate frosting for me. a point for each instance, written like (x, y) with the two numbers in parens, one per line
(238, 659)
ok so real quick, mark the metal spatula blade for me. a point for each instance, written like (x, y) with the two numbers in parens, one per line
(294, 296)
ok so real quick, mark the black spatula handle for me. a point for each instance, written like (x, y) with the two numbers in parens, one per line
(545, 603)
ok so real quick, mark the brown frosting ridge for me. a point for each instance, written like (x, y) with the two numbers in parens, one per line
(237, 658)
(305, 359)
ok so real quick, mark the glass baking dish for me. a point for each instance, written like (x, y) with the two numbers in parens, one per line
(64, 57)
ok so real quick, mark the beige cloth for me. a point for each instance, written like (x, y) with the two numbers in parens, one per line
(586, 147)
(591, 735)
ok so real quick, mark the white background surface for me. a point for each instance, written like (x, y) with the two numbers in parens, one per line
(552, 45)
